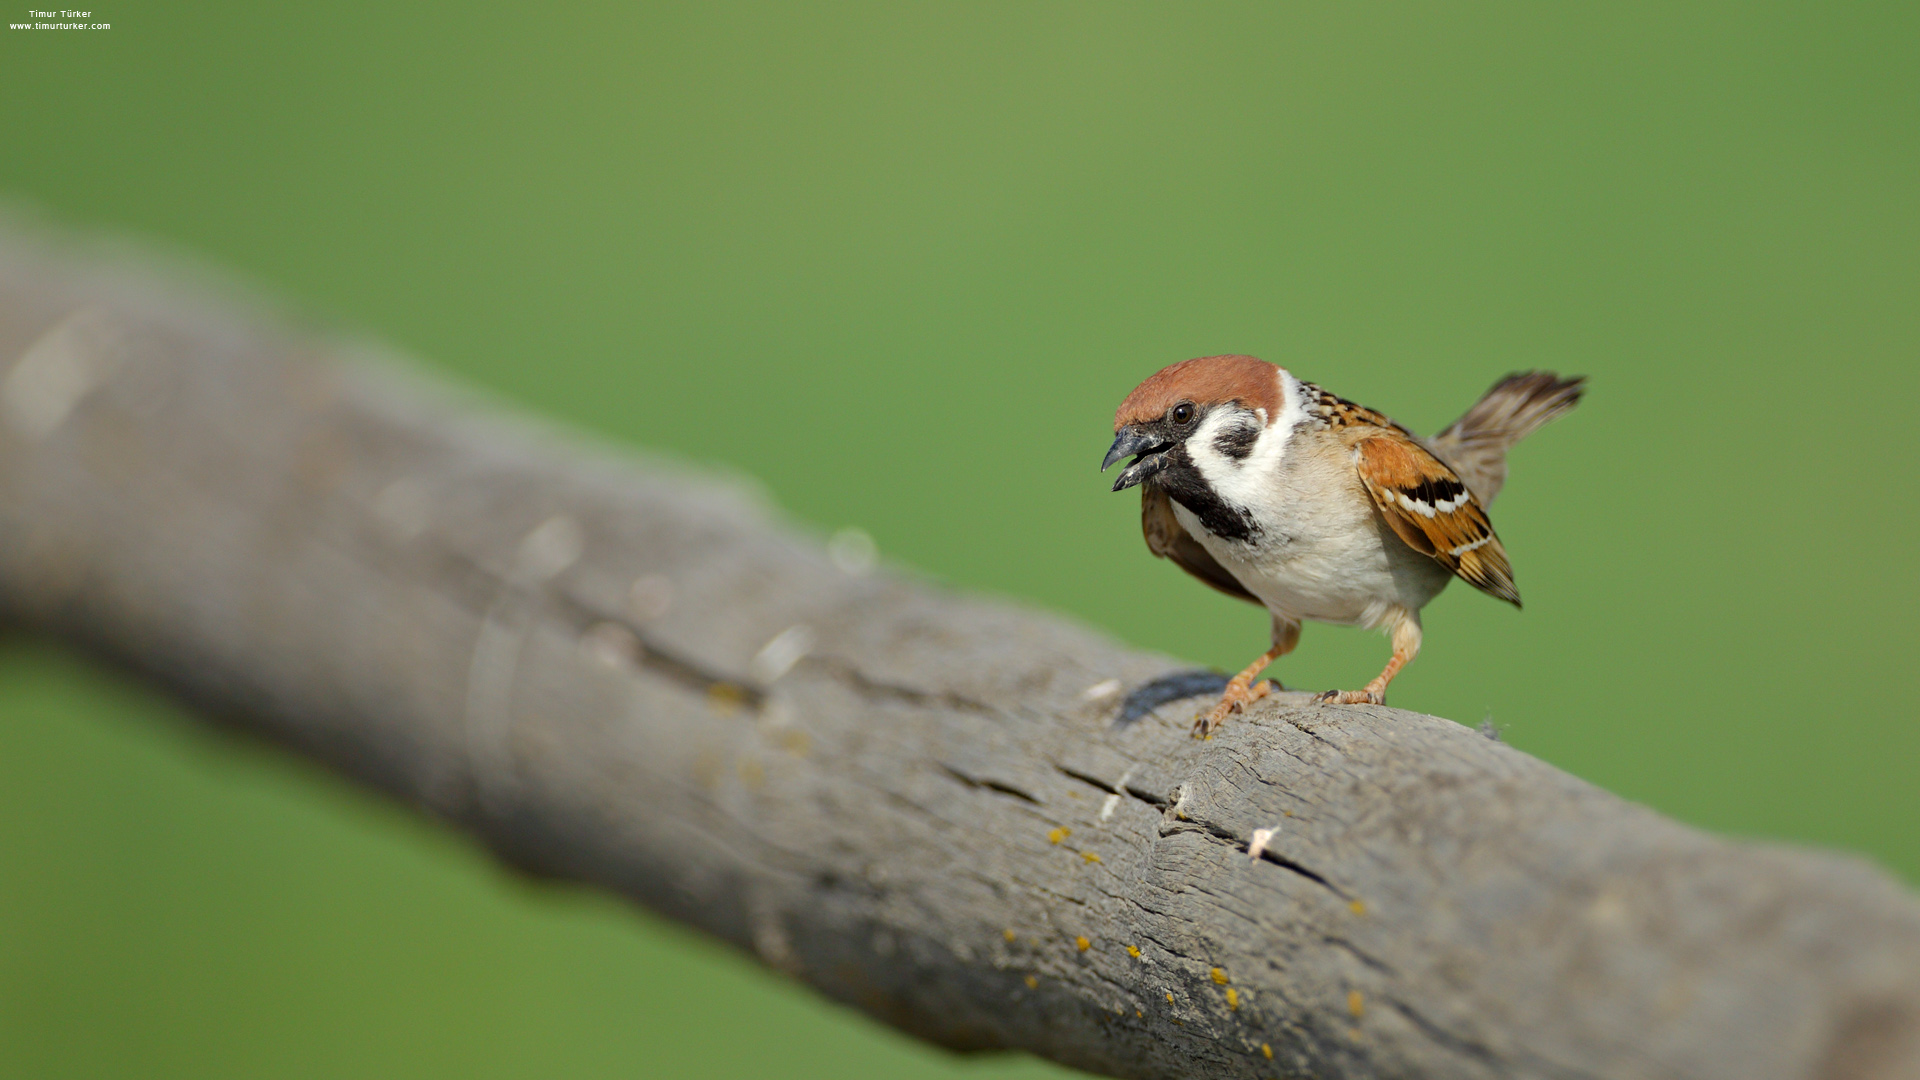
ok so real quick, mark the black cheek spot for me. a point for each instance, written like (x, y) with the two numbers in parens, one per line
(1236, 442)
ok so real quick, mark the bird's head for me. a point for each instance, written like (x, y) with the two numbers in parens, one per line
(1199, 419)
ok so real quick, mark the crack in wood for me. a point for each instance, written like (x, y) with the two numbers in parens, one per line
(869, 687)
(989, 784)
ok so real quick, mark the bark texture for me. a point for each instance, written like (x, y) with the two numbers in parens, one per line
(622, 672)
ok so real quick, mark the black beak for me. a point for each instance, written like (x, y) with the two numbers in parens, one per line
(1132, 441)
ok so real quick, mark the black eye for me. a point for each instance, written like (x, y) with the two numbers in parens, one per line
(1182, 412)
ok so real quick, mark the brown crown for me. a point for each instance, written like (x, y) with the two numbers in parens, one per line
(1205, 380)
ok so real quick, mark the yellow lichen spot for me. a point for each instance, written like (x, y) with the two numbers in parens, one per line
(1089, 856)
(725, 697)
(751, 772)
(1082, 943)
(1267, 1050)
(1289, 813)
(1138, 1015)
(1133, 951)
(1169, 997)
(795, 742)
(1358, 907)
(1033, 983)
(1220, 976)
(1233, 998)
(707, 769)
(1011, 937)
(1356, 1004)
(1054, 836)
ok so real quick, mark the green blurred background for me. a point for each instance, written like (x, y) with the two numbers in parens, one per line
(900, 262)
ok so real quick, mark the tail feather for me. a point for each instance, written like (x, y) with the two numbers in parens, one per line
(1476, 445)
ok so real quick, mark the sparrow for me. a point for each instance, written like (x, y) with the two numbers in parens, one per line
(1274, 491)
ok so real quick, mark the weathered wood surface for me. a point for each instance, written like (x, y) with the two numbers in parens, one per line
(929, 814)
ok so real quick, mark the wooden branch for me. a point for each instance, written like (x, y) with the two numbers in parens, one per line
(614, 670)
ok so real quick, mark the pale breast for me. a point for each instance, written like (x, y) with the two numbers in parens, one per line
(1321, 551)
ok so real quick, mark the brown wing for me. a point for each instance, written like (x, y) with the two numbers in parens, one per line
(1429, 507)
(1167, 539)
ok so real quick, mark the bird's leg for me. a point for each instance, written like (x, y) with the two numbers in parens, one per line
(1406, 645)
(1241, 689)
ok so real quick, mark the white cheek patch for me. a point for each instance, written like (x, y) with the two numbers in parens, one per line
(1204, 444)
(1248, 482)
(1216, 468)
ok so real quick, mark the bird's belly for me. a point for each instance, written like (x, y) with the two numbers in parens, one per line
(1336, 566)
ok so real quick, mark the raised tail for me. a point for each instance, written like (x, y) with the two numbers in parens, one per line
(1476, 445)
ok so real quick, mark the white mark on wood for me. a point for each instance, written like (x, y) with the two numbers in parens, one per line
(780, 653)
(650, 597)
(776, 715)
(1113, 798)
(489, 714)
(770, 939)
(402, 507)
(612, 644)
(1258, 845)
(546, 551)
(853, 551)
(549, 549)
(1105, 690)
(54, 373)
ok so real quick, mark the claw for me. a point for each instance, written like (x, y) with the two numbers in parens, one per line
(1237, 697)
(1350, 697)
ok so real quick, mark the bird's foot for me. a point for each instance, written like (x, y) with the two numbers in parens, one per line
(1351, 697)
(1238, 696)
